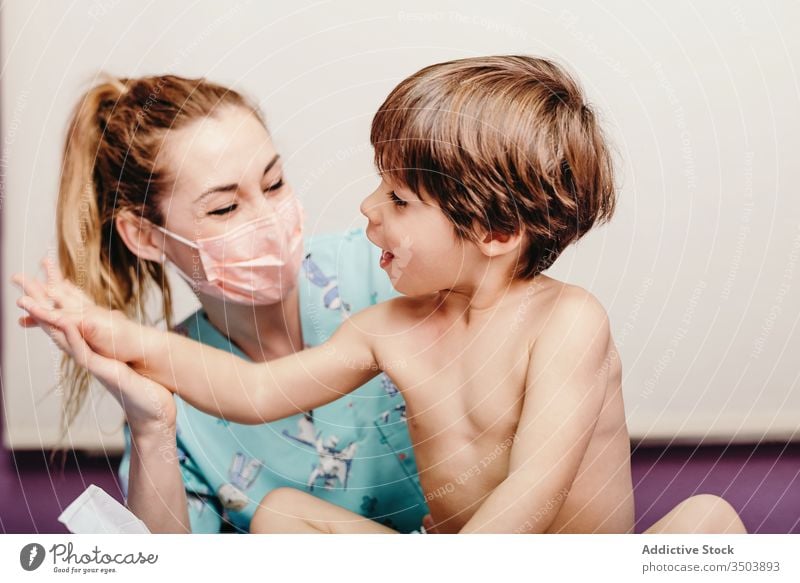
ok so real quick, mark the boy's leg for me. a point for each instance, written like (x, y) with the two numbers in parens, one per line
(290, 511)
(701, 514)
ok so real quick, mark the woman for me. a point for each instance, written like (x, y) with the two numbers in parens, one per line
(166, 169)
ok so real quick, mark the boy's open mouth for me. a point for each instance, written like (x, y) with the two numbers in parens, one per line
(386, 258)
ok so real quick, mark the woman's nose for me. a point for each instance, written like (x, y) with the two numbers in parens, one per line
(268, 204)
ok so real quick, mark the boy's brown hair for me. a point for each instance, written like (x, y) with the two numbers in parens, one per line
(503, 143)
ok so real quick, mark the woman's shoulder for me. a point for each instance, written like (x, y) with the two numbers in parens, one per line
(352, 239)
(329, 255)
(349, 259)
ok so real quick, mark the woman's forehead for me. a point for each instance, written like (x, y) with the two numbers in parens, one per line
(227, 147)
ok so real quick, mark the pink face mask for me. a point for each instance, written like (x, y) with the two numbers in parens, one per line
(256, 263)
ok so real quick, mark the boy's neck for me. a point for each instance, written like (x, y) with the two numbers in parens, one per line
(478, 296)
(261, 332)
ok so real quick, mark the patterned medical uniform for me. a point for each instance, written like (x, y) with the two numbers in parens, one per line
(354, 452)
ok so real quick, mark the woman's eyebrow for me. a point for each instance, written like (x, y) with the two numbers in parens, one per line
(271, 163)
(235, 186)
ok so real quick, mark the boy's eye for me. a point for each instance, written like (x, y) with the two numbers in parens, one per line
(224, 210)
(396, 200)
(274, 187)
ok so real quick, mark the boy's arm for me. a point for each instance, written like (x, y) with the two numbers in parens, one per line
(221, 384)
(212, 380)
(564, 392)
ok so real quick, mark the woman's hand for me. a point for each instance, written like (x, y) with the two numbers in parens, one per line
(149, 407)
(77, 325)
(58, 304)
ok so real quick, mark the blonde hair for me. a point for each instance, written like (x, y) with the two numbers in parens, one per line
(505, 143)
(113, 139)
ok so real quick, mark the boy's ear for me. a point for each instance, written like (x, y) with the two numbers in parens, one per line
(139, 236)
(494, 244)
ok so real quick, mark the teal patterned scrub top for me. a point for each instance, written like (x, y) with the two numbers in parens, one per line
(354, 452)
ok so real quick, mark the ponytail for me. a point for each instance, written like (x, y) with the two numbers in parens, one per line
(112, 141)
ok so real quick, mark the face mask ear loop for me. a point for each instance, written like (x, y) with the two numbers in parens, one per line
(177, 237)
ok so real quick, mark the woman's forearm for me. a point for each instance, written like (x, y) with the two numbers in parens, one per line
(156, 493)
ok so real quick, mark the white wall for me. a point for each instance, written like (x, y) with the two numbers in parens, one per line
(698, 270)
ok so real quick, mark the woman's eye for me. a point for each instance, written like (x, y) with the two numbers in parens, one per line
(275, 186)
(224, 210)
(396, 199)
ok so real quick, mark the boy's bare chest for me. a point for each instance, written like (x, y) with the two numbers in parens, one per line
(464, 388)
(464, 396)
(467, 384)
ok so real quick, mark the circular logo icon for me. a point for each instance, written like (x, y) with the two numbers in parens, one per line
(31, 556)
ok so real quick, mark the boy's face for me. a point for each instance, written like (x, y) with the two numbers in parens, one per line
(421, 252)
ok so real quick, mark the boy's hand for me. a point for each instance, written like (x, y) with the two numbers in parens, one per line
(58, 304)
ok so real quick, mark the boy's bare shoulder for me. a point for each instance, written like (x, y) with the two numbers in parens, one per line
(566, 309)
(389, 316)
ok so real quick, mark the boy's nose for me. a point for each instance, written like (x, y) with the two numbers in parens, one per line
(369, 208)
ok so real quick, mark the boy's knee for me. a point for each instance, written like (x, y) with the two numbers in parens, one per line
(271, 508)
(279, 499)
(279, 496)
(713, 514)
(708, 503)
